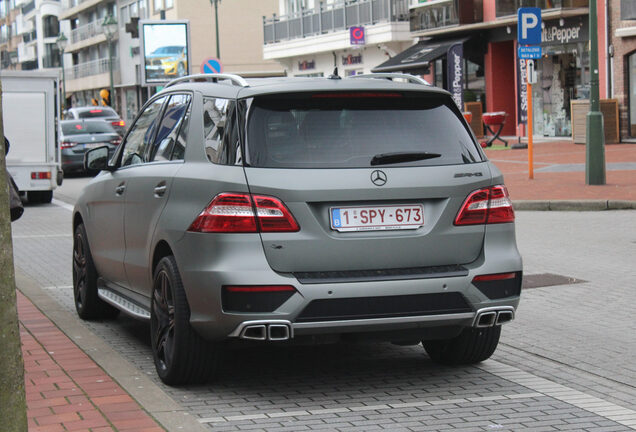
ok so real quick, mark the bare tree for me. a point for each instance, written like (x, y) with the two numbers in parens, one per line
(12, 397)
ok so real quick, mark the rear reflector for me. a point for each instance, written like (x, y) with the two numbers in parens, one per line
(260, 288)
(41, 175)
(493, 277)
(234, 213)
(489, 205)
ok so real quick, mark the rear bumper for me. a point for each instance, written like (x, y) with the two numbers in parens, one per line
(205, 271)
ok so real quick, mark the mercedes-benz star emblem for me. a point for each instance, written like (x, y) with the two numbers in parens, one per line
(378, 178)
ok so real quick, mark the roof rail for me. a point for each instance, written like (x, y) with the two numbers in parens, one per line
(213, 77)
(391, 76)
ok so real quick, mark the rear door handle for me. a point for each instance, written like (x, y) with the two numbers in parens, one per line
(119, 190)
(160, 189)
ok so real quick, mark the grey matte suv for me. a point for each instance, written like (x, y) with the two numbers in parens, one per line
(292, 209)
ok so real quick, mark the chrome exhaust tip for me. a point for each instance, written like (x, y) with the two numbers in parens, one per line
(277, 332)
(486, 319)
(504, 317)
(255, 332)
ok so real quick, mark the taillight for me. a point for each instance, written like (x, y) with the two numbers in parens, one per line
(67, 144)
(115, 141)
(234, 213)
(119, 123)
(41, 175)
(489, 205)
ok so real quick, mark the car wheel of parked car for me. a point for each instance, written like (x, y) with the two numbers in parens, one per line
(43, 197)
(181, 356)
(87, 303)
(473, 345)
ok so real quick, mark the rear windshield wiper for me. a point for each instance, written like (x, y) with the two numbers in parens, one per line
(398, 157)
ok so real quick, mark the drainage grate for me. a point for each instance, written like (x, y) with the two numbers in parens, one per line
(548, 279)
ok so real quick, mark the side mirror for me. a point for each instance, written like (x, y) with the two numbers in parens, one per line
(97, 159)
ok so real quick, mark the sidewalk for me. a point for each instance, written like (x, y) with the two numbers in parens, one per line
(65, 389)
(559, 176)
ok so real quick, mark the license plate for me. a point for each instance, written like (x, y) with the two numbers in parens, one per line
(93, 145)
(376, 218)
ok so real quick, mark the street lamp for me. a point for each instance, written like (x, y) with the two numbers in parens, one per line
(61, 43)
(109, 25)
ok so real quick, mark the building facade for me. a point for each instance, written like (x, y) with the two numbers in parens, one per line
(28, 34)
(311, 37)
(622, 62)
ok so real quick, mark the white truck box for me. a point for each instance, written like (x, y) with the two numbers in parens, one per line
(30, 110)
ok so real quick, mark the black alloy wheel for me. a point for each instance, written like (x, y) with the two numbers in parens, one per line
(181, 356)
(87, 303)
(163, 320)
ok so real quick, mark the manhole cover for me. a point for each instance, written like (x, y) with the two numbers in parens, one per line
(548, 279)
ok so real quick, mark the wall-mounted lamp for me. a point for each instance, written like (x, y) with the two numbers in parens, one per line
(508, 29)
(561, 22)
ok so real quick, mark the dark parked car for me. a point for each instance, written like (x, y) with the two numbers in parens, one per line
(98, 113)
(285, 210)
(78, 136)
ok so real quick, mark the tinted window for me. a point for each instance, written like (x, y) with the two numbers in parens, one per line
(348, 130)
(79, 128)
(219, 131)
(141, 134)
(97, 112)
(168, 131)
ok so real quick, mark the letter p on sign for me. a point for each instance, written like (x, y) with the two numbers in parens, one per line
(529, 26)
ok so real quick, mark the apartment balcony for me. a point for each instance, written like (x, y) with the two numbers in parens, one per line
(72, 8)
(86, 31)
(28, 7)
(91, 75)
(445, 13)
(27, 53)
(93, 67)
(326, 27)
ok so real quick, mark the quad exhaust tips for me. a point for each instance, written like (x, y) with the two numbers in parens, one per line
(265, 331)
(489, 317)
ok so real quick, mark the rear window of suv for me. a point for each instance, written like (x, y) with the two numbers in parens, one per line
(97, 112)
(356, 130)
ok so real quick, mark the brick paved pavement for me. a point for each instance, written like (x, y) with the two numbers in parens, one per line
(65, 389)
(560, 172)
(379, 387)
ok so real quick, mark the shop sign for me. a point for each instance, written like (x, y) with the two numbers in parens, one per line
(455, 73)
(351, 59)
(572, 31)
(522, 91)
(356, 36)
(306, 65)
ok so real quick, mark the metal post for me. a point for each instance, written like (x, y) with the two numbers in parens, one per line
(530, 131)
(63, 83)
(216, 22)
(111, 98)
(595, 135)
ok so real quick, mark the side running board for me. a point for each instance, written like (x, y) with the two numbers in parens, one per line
(122, 303)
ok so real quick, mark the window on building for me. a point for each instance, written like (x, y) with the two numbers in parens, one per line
(160, 5)
(51, 26)
(294, 6)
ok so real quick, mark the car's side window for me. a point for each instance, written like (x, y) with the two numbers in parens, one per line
(140, 136)
(218, 129)
(168, 133)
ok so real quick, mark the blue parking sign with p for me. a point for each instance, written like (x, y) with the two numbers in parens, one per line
(529, 26)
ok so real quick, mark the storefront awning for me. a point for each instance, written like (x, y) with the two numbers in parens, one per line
(418, 55)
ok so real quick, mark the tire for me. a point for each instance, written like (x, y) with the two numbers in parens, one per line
(40, 197)
(181, 356)
(473, 345)
(87, 303)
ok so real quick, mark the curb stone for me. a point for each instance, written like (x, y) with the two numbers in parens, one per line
(573, 205)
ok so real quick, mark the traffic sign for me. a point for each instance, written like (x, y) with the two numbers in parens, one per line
(211, 65)
(529, 26)
(529, 52)
(356, 35)
(532, 72)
